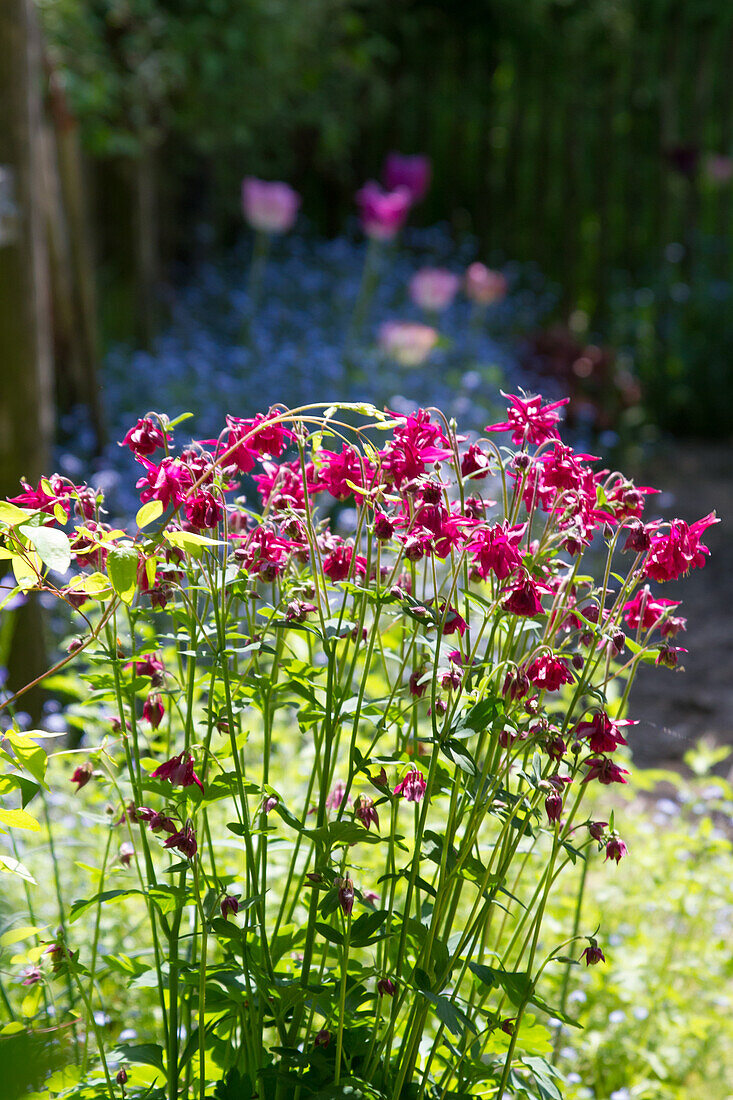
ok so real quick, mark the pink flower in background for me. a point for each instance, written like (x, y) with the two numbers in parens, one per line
(434, 288)
(383, 213)
(407, 342)
(411, 172)
(483, 286)
(269, 207)
(718, 168)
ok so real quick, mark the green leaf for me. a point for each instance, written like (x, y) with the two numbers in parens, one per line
(146, 1054)
(79, 908)
(19, 819)
(28, 754)
(148, 513)
(11, 514)
(364, 927)
(329, 933)
(15, 935)
(122, 564)
(454, 1018)
(51, 545)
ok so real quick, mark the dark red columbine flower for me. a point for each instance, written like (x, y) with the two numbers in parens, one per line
(203, 510)
(179, 771)
(82, 775)
(454, 622)
(679, 550)
(323, 1038)
(417, 688)
(121, 1077)
(615, 848)
(597, 829)
(184, 841)
(386, 987)
(604, 770)
(548, 672)
(298, 611)
(229, 904)
(523, 597)
(337, 564)
(345, 895)
(366, 812)
(528, 419)
(412, 787)
(553, 806)
(592, 954)
(383, 527)
(669, 655)
(603, 732)
(156, 821)
(516, 684)
(153, 710)
(167, 483)
(647, 610)
(496, 549)
(144, 438)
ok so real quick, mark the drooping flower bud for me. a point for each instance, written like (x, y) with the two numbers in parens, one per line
(386, 987)
(229, 904)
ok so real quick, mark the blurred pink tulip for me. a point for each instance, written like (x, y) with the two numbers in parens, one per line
(408, 342)
(412, 172)
(269, 207)
(484, 286)
(383, 213)
(434, 288)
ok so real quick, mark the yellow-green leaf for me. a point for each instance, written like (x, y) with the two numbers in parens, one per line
(19, 819)
(122, 571)
(149, 512)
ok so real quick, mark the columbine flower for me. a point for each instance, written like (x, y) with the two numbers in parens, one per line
(410, 172)
(323, 1038)
(82, 775)
(345, 895)
(144, 438)
(412, 787)
(153, 710)
(156, 821)
(126, 853)
(680, 550)
(615, 848)
(386, 987)
(336, 797)
(603, 732)
(383, 213)
(32, 975)
(529, 420)
(167, 483)
(269, 207)
(593, 954)
(184, 841)
(523, 598)
(229, 904)
(178, 771)
(496, 549)
(646, 610)
(433, 288)
(604, 770)
(407, 342)
(483, 286)
(366, 812)
(553, 806)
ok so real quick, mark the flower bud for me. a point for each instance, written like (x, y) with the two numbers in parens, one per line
(386, 987)
(229, 904)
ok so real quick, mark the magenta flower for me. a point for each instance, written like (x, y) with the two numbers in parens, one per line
(412, 787)
(336, 796)
(338, 470)
(548, 672)
(604, 770)
(337, 564)
(593, 954)
(483, 286)
(167, 483)
(680, 550)
(345, 895)
(156, 821)
(144, 438)
(269, 207)
(153, 710)
(183, 841)
(475, 463)
(603, 733)
(203, 510)
(433, 288)
(386, 987)
(553, 806)
(82, 775)
(496, 550)
(366, 811)
(32, 975)
(229, 904)
(523, 598)
(646, 610)
(615, 848)
(383, 213)
(529, 420)
(178, 771)
(411, 172)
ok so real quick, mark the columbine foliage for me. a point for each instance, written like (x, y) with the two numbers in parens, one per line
(353, 730)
